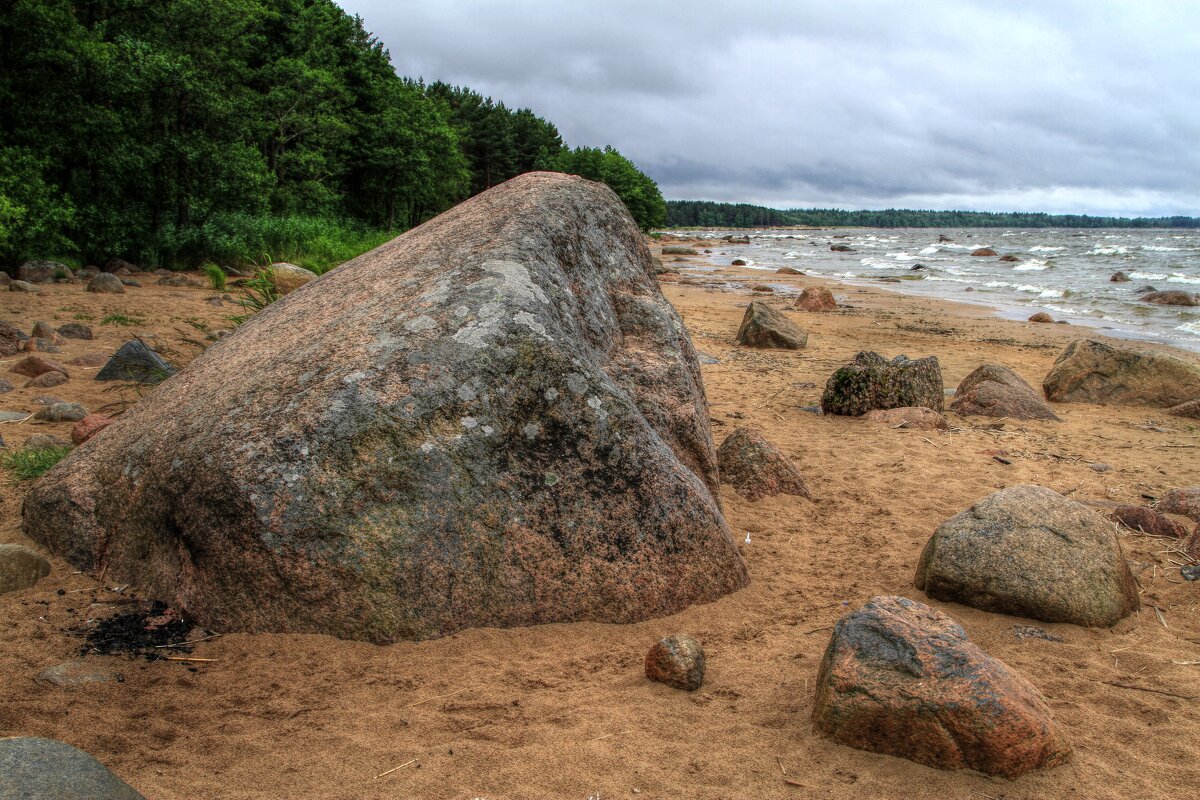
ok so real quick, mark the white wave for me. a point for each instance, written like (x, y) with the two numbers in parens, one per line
(1043, 248)
(953, 270)
(1115, 250)
(1160, 249)
(1189, 327)
(877, 263)
(1179, 277)
(944, 279)
(902, 256)
(1062, 309)
(1000, 285)
(1035, 264)
(928, 251)
(792, 254)
(1147, 276)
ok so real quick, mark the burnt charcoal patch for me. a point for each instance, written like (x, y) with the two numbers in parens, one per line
(151, 630)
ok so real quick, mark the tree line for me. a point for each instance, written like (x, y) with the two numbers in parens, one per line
(707, 214)
(171, 132)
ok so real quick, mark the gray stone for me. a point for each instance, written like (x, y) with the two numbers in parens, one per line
(1028, 550)
(996, 391)
(135, 362)
(74, 330)
(20, 568)
(872, 382)
(79, 672)
(46, 769)
(106, 283)
(61, 412)
(45, 441)
(24, 286)
(763, 326)
(13, 416)
(6, 386)
(41, 271)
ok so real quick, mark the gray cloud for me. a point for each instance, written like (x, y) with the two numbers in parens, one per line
(1067, 106)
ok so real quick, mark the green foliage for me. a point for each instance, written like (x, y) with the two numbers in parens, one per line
(258, 292)
(177, 132)
(216, 277)
(637, 191)
(707, 214)
(27, 464)
(122, 320)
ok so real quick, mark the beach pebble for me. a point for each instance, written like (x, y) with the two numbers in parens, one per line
(89, 426)
(77, 672)
(45, 441)
(1190, 572)
(1099, 467)
(678, 661)
(24, 286)
(20, 567)
(911, 417)
(6, 385)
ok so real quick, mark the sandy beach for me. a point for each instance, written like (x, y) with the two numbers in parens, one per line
(564, 711)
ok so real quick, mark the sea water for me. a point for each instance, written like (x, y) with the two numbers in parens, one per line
(1064, 272)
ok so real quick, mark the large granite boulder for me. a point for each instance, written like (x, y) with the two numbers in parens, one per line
(495, 419)
(993, 390)
(106, 283)
(46, 769)
(40, 271)
(1088, 371)
(755, 468)
(871, 381)
(763, 326)
(903, 679)
(1028, 550)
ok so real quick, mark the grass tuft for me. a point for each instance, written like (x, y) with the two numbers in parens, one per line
(216, 276)
(26, 465)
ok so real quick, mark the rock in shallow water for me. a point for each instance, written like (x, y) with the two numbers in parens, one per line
(495, 419)
(45, 769)
(1028, 550)
(903, 679)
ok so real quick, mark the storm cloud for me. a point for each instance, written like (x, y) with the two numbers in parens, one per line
(1074, 107)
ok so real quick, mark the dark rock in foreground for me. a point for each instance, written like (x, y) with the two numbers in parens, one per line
(45, 769)
(136, 363)
(1088, 371)
(755, 468)
(903, 679)
(678, 661)
(495, 419)
(763, 326)
(993, 390)
(1028, 550)
(871, 382)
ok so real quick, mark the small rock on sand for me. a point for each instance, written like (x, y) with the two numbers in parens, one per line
(755, 468)
(912, 417)
(46, 380)
(872, 382)
(1088, 371)
(46, 769)
(78, 672)
(20, 567)
(61, 412)
(33, 366)
(763, 326)
(106, 283)
(678, 661)
(1147, 520)
(816, 298)
(89, 426)
(1184, 501)
(993, 390)
(1041, 316)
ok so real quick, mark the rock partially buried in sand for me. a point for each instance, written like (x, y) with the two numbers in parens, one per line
(903, 679)
(763, 326)
(788, 271)
(25, 287)
(993, 390)
(1149, 521)
(1029, 551)
(74, 330)
(76, 673)
(677, 661)
(755, 468)
(872, 382)
(914, 417)
(33, 366)
(20, 568)
(47, 380)
(1184, 501)
(816, 298)
(136, 363)
(1188, 410)
(495, 419)
(106, 283)
(288, 278)
(45, 769)
(1088, 371)
(1042, 316)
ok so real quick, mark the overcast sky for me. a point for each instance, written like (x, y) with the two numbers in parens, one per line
(1053, 105)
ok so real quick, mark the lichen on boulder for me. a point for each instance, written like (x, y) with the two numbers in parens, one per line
(871, 382)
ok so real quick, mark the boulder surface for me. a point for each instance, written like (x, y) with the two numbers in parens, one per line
(993, 390)
(763, 326)
(903, 679)
(135, 362)
(755, 468)
(816, 298)
(871, 382)
(46, 769)
(1028, 550)
(1088, 371)
(495, 419)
